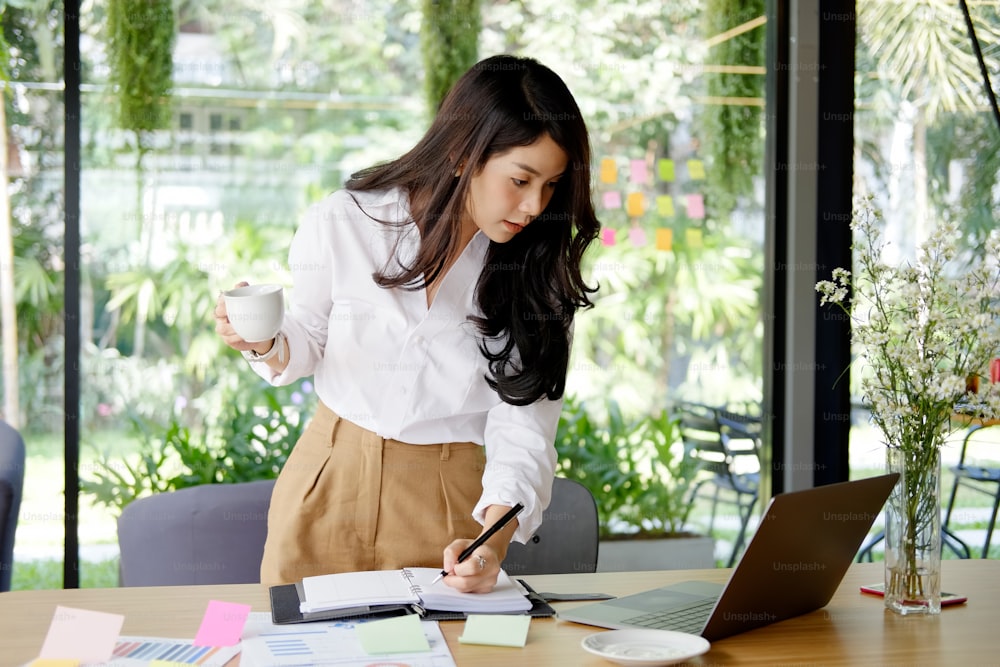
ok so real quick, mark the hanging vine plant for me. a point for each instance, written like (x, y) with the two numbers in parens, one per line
(141, 36)
(449, 40)
(732, 131)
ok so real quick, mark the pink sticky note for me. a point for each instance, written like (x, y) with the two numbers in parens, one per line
(638, 171)
(607, 236)
(637, 236)
(222, 624)
(695, 207)
(612, 199)
(81, 634)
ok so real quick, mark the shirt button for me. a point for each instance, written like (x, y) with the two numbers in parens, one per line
(419, 341)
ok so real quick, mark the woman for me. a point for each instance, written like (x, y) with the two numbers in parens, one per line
(433, 301)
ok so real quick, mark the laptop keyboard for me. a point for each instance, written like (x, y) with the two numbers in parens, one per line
(687, 619)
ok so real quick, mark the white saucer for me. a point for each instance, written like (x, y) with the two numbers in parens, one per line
(645, 647)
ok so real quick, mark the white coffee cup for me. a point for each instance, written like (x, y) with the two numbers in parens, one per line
(256, 311)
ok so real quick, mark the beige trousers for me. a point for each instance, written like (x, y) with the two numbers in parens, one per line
(348, 500)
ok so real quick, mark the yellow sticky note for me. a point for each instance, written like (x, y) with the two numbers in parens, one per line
(696, 170)
(664, 238)
(496, 629)
(665, 168)
(693, 237)
(400, 634)
(53, 662)
(635, 204)
(665, 206)
(609, 170)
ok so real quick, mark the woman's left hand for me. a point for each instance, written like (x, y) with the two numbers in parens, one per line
(476, 574)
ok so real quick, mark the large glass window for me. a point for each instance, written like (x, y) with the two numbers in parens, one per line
(271, 109)
(926, 146)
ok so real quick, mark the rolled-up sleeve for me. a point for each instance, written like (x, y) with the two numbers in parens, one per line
(520, 461)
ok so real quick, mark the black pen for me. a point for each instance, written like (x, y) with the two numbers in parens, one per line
(479, 541)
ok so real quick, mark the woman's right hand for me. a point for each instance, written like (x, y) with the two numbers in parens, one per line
(229, 335)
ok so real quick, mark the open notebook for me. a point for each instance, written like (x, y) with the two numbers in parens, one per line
(407, 586)
(393, 592)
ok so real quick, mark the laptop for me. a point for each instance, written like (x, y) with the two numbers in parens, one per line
(802, 548)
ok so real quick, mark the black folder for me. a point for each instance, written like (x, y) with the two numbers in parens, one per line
(285, 600)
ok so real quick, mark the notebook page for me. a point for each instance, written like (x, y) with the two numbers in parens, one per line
(507, 596)
(355, 589)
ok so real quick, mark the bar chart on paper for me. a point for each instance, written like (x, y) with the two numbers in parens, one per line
(332, 643)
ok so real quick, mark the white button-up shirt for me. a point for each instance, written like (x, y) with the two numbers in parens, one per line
(385, 361)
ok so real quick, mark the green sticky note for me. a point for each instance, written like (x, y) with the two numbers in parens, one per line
(401, 634)
(496, 629)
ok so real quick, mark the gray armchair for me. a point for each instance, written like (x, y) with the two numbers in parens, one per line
(11, 489)
(208, 534)
(567, 540)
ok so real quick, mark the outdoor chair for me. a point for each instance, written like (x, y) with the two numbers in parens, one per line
(207, 534)
(11, 488)
(726, 446)
(981, 479)
(566, 541)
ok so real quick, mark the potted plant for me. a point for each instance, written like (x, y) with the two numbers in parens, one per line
(640, 477)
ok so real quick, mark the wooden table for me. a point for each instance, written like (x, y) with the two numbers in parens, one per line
(854, 629)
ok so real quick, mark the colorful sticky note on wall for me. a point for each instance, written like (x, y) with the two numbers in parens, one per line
(665, 168)
(607, 236)
(635, 204)
(609, 170)
(696, 170)
(664, 238)
(695, 207)
(665, 206)
(637, 169)
(612, 199)
(693, 237)
(637, 236)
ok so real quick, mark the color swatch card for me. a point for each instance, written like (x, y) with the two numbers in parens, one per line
(132, 651)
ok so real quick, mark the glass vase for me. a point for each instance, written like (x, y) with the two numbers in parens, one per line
(913, 533)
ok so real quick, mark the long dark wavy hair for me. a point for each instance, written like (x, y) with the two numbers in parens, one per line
(531, 286)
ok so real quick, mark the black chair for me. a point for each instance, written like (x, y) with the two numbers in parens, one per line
(981, 479)
(11, 489)
(566, 541)
(726, 445)
(208, 534)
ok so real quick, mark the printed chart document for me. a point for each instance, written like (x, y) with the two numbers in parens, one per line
(329, 643)
(407, 586)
